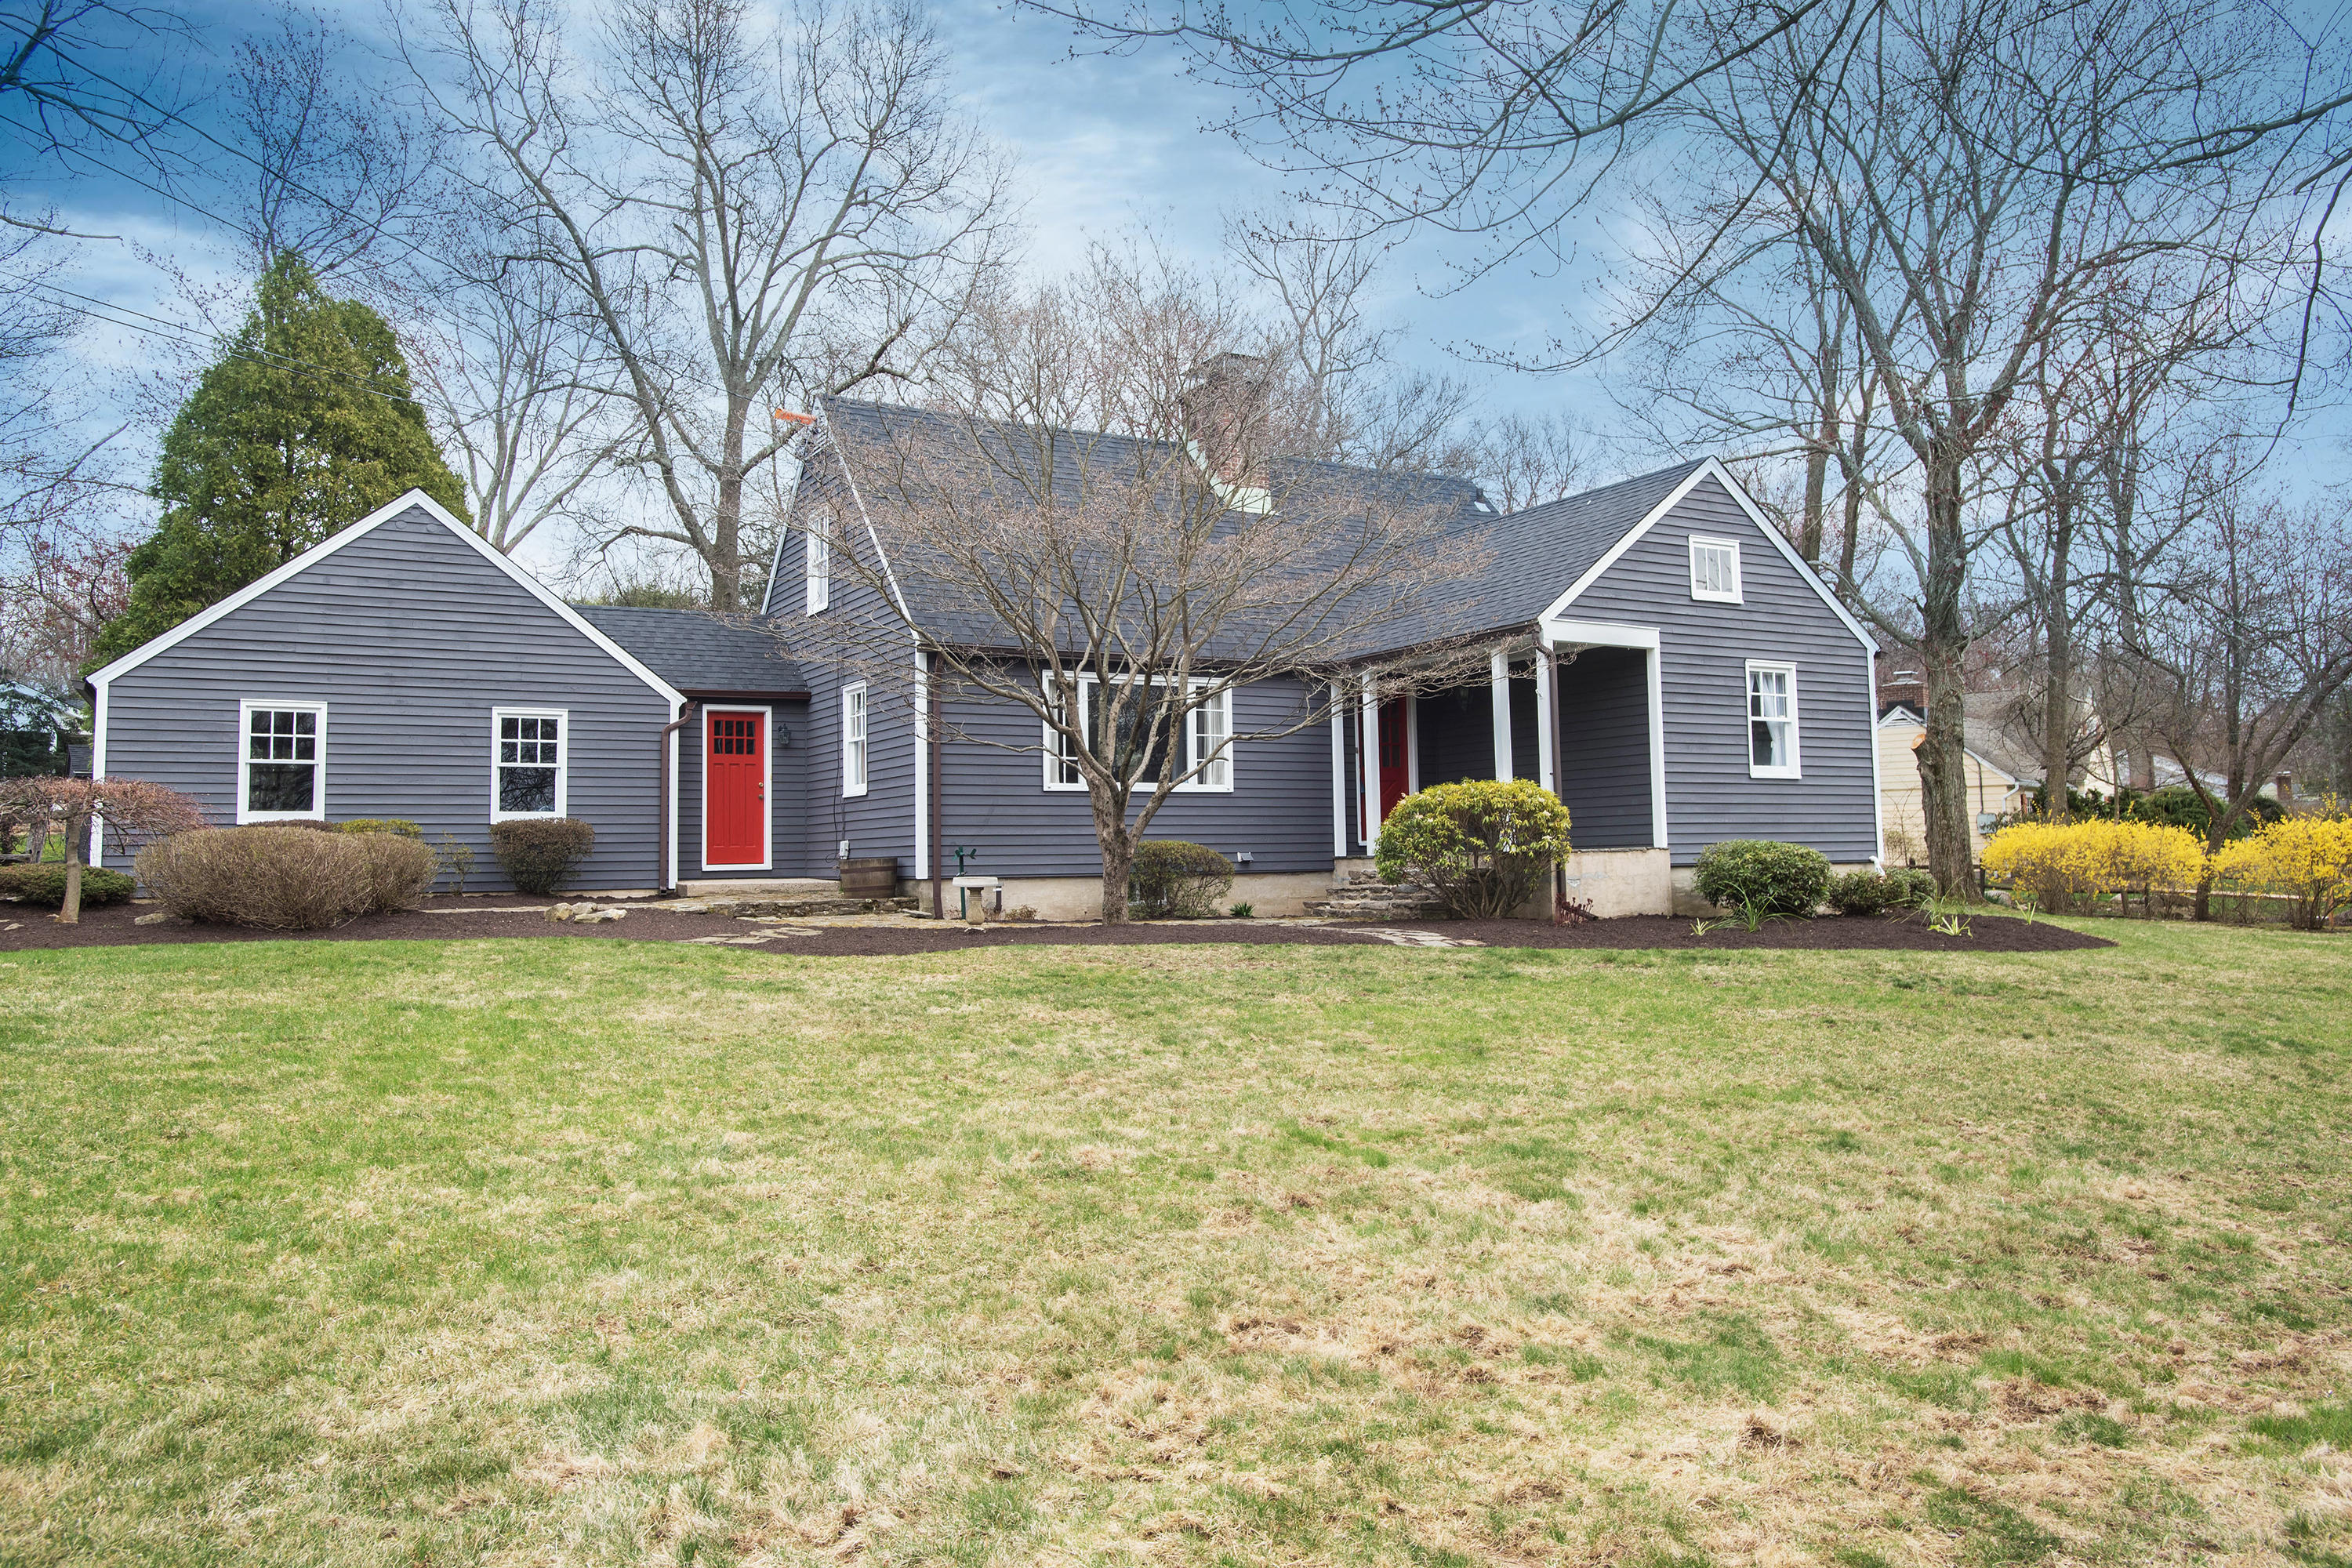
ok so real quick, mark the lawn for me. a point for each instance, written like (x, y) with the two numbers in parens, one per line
(608, 1252)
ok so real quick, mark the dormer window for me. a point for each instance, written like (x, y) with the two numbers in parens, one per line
(1715, 570)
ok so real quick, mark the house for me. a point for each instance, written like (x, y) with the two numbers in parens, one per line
(405, 669)
(1655, 653)
(2004, 770)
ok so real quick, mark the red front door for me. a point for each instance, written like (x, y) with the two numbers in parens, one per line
(735, 806)
(1396, 774)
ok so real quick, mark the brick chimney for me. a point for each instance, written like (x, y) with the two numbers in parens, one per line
(1225, 419)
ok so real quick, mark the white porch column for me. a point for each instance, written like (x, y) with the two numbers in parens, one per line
(1338, 771)
(1547, 721)
(1498, 680)
(1368, 762)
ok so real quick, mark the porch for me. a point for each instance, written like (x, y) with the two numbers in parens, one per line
(1578, 710)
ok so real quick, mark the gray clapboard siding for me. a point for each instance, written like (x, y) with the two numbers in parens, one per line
(1604, 747)
(1456, 731)
(831, 649)
(1704, 649)
(411, 638)
(1280, 811)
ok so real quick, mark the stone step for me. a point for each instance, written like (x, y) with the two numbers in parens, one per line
(791, 908)
(1369, 899)
(761, 886)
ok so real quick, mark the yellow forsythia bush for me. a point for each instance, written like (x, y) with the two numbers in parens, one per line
(2308, 858)
(2070, 865)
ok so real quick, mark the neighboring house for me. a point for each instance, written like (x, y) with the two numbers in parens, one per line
(405, 669)
(1994, 790)
(2004, 770)
(1657, 654)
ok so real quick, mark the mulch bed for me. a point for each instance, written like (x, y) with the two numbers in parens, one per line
(114, 927)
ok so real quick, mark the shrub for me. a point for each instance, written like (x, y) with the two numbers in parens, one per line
(1763, 875)
(2071, 866)
(399, 824)
(1876, 892)
(44, 883)
(2306, 858)
(284, 878)
(1484, 847)
(1173, 879)
(539, 852)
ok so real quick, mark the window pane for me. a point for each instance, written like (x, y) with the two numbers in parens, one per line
(280, 787)
(527, 789)
(1764, 744)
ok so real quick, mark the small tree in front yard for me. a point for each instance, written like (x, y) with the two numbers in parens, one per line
(133, 807)
(1122, 590)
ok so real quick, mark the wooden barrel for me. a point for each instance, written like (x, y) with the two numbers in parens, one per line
(876, 877)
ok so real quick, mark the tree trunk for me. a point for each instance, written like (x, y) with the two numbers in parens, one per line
(2058, 696)
(1943, 649)
(1118, 845)
(69, 912)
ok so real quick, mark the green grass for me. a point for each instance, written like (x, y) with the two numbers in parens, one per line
(600, 1252)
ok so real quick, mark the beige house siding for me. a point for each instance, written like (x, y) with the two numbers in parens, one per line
(1905, 820)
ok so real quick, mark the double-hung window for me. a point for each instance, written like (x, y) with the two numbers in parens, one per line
(1154, 732)
(1771, 720)
(817, 538)
(1715, 569)
(529, 762)
(282, 761)
(853, 739)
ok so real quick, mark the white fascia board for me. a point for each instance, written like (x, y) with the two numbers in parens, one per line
(1713, 469)
(1877, 790)
(890, 574)
(368, 525)
(1597, 633)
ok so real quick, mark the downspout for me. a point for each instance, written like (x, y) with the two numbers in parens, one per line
(939, 797)
(685, 717)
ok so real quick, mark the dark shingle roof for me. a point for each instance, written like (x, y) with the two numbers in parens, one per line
(867, 435)
(696, 651)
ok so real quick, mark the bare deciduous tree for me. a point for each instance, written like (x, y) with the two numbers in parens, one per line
(516, 380)
(1140, 601)
(2245, 646)
(751, 215)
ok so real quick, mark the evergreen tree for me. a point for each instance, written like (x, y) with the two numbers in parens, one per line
(305, 424)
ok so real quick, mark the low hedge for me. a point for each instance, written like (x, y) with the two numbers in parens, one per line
(537, 853)
(44, 883)
(1484, 845)
(1171, 878)
(399, 824)
(285, 878)
(1762, 876)
(1876, 892)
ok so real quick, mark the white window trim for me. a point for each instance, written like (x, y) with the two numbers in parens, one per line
(767, 783)
(1201, 783)
(564, 738)
(817, 545)
(1710, 594)
(863, 741)
(1748, 716)
(244, 711)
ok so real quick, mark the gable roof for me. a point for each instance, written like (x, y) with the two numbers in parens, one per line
(956, 614)
(698, 652)
(413, 502)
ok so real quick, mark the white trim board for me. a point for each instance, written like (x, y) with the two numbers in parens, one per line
(1711, 468)
(1549, 635)
(416, 499)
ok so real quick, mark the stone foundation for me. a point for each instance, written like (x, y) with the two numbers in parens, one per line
(1621, 881)
(1080, 897)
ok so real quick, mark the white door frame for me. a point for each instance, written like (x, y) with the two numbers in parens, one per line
(767, 784)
